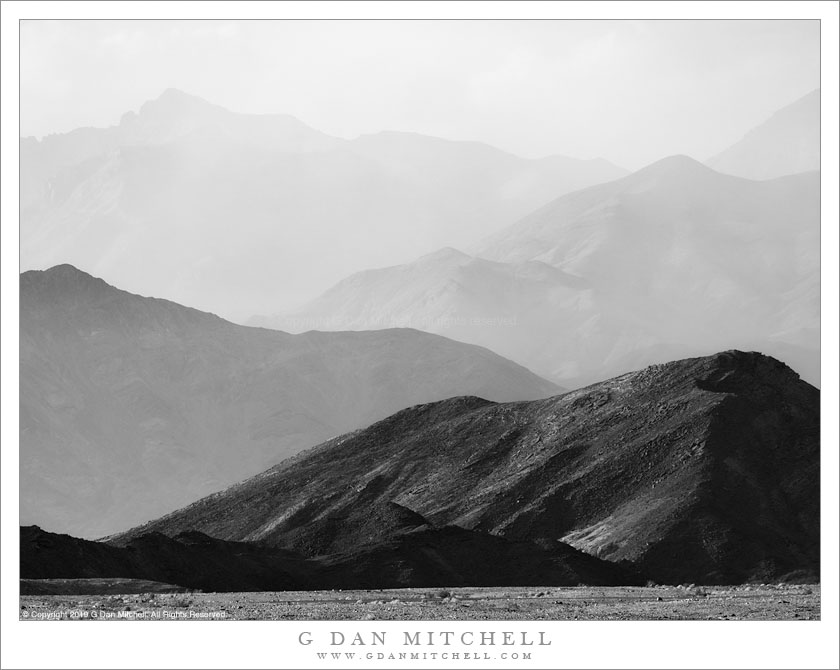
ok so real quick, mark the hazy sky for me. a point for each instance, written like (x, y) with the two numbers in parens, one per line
(629, 91)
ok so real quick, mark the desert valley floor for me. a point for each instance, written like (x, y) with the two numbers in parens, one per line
(688, 602)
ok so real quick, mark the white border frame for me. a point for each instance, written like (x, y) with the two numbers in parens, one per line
(273, 644)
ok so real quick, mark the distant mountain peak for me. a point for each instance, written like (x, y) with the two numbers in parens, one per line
(678, 163)
(174, 96)
(63, 283)
(175, 102)
(67, 287)
(677, 171)
(66, 269)
(61, 273)
(444, 254)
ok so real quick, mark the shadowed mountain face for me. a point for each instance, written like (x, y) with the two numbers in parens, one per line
(703, 470)
(133, 406)
(168, 186)
(190, 560)
(410, 554)
(672, 261)
(787, 143)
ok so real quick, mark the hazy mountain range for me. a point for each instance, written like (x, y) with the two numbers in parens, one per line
(703, 470)
(673, 260)
(132, 406)
(788, 142)
(241, 213)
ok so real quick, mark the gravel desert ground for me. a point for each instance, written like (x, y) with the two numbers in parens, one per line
(687, 602)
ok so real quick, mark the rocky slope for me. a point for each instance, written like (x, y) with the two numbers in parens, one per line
(242, 212)
(131, 406)
(703, 470)
(787, 143)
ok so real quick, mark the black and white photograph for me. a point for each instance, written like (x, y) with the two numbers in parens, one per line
(437, 336)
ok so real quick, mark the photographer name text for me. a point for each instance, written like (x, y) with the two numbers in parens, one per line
(428, 638)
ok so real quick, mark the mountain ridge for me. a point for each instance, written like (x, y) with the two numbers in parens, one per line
(131, 406)
(168, 182)
(410, 554)
(788, 142)
(675, 260)
(675, 468)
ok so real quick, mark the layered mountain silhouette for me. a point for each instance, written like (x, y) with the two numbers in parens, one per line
(703, 470)
(682, 259)
(190, 560)
(516, 308)
(674, 260)
(240, 212)
(412, 554)
(132, 406)
(787, 143)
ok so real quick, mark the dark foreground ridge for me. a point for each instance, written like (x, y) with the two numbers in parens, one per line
(414, 554)
(704, 470)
